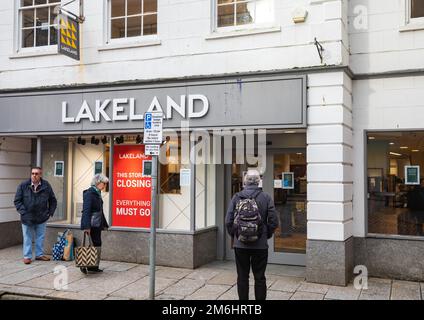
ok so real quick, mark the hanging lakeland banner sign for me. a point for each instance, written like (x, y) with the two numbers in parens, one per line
(69, 37)
(132, 186)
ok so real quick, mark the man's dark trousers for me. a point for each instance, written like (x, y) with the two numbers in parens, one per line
(258, 259)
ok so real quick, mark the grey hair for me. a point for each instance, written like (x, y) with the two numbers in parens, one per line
(252, 177)
(99, 178)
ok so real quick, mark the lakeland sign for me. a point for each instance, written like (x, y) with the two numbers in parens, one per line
(273, 101)
(124, 109)
(69, 37)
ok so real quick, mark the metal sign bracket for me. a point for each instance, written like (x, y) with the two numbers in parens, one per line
(79, 18)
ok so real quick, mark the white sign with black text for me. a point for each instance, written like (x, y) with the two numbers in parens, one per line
(152, 149)
(153, 128)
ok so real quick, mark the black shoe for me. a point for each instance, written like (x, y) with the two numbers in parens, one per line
(84, 270)
(95, 269)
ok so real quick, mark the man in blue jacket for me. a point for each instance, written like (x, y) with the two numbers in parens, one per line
(252, 254)
(36, 203)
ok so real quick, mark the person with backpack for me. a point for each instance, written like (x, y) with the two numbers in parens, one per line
(251, 220)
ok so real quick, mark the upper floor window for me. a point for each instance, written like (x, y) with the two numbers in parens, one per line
(38, 25)
(417, 9)
(233, 13)
(132, 18)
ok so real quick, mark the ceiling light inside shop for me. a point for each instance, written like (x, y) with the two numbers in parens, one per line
(391, 143)
(415, 150)
(299, 153)
(95, 140)
(404, 147)
(119, 139)
(395, 154)
(81, 141)
(371, 138)
(290, 131)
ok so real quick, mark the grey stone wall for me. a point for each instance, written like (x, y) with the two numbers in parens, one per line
(330, 262)
(391, 258)
(205, 247)
(10, 234)
(185, 250)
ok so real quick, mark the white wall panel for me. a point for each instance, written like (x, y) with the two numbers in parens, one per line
(15, 162)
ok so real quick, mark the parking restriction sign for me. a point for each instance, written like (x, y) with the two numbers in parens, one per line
(153, 128)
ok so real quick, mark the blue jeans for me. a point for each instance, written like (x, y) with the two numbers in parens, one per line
(29, 231)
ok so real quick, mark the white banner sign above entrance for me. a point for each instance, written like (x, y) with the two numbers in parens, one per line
(153, 128)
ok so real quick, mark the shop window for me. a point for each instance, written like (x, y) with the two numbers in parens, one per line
(290, 194)
(205, 196)
(132, 18)
(89, 156)
(417, 9)
(170, 171)
(395, 192)
(55, 168)
(37, 24)
(233, 13)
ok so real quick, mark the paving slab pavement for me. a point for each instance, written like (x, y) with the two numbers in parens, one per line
(405, 290)
(343, 293)
(214, 281)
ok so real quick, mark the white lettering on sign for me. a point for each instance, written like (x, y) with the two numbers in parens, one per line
(65, 118)
(131, 156)
(133, 211)
(84, 113)
(133, 115)
(172, 105)
(133, 183)
(200, 113)
(117, 109)
(139, 203)
(124, 109)
(100, 110)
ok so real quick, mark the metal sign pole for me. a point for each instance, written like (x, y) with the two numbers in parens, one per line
(152, 139)
(153, 215)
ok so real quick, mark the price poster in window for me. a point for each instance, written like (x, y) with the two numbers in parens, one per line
(131, 206)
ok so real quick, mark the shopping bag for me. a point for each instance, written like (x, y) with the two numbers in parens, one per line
(68, 252)
(59, 246)
(87, 256)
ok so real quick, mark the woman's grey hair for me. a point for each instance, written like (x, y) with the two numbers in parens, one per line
(99, 178)
(252, 177)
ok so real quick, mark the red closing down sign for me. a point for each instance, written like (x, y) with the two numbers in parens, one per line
(132, 186)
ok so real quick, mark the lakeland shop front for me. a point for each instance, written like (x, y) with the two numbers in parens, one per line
(213, 131)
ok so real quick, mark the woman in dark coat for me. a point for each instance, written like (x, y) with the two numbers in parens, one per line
(92, 203)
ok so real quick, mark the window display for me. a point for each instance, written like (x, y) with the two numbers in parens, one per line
(395, 195)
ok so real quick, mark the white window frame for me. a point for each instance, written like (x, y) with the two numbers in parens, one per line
(408, 23)
(142, 39)
(50, 48)
(244, 29)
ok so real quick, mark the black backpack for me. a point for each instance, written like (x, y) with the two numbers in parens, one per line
(247, 219)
